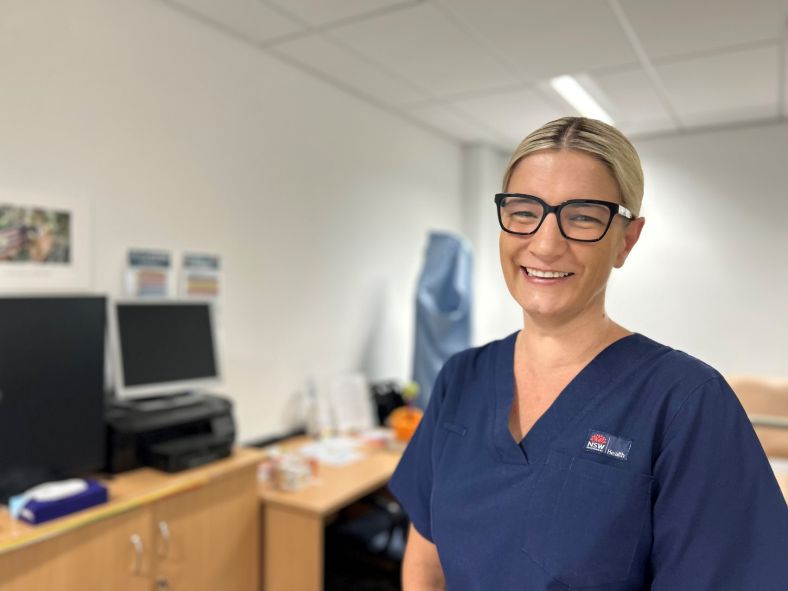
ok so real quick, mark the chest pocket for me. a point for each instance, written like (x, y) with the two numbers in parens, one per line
(456, 429)
(585, 519)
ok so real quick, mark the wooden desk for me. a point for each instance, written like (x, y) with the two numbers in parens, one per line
(195, 530)
(293, 523)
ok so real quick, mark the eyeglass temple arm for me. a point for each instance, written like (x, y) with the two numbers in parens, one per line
(625, 212)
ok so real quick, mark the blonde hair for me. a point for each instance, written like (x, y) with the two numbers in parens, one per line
(600, 140)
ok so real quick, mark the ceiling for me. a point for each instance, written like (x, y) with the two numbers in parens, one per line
(478, 70)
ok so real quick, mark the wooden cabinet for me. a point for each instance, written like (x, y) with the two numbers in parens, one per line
(208, 539)
(98, 556)
(195, 531)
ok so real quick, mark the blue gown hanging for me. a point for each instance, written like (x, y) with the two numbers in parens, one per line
(443, 308)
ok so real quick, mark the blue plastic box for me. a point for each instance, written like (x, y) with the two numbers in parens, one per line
(35, 512)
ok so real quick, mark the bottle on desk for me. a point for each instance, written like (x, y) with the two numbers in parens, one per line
(319, 423)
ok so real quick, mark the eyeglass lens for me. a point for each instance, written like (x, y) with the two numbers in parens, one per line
(579, 221)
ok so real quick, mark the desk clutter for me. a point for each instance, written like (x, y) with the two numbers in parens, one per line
(340, 414)
(295, 468)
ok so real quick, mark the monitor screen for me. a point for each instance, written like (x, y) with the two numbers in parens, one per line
(51, 389)
(164, 347)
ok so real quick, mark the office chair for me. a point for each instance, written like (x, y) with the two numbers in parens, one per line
(365, 546)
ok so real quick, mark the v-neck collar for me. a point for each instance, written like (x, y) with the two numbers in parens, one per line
(569, 404)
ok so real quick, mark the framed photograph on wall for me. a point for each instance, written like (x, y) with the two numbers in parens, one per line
(44, 243)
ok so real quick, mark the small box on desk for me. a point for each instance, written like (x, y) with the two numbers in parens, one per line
(36, 511)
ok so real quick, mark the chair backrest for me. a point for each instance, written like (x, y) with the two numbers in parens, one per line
(387, 396)
(766, 402)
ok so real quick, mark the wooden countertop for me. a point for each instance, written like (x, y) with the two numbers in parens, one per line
(335, 487)
(127, 491)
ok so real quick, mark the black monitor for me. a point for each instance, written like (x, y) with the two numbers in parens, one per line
(163, 347)
(51, 389)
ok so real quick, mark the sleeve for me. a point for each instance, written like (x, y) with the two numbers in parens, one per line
(720, 520)
(411, 482)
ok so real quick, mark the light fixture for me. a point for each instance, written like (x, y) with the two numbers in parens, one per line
(577, 96)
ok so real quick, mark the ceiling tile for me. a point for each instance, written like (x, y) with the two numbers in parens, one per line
(444, 119)
(250, 18)
(323, 12)
(422, 45)
(722, 88)
(546, 39)
(349, 69)
(512, 114)
(676, 27)
(634, 106)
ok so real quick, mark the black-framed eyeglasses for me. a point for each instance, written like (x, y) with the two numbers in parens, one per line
(584, 220)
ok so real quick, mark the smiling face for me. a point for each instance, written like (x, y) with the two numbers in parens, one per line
(552, 278)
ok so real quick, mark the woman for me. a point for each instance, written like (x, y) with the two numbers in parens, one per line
(575, 454)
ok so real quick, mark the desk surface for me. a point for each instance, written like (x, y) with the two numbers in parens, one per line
(336, 487)
(126, 491)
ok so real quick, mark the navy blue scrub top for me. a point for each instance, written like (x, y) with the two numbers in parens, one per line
(645, 473)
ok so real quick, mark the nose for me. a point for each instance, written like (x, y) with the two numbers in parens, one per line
(548, 243)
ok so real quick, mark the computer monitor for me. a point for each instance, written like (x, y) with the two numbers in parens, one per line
(51, 389)
(163, 347)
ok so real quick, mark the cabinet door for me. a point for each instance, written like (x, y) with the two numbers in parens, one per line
(207, 539)
(96, 557)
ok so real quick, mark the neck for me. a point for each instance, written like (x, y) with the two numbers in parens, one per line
(550, 345)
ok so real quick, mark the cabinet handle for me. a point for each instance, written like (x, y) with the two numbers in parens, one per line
(136, 542)
(164, 531)
(163, 584)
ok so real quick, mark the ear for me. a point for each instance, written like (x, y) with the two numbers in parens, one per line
(631, 235)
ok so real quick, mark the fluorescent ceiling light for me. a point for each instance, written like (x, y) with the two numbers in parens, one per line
(577, 96)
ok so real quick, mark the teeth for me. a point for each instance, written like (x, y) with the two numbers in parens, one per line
(545, 274)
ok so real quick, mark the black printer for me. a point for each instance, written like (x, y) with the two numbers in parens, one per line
(169, 433)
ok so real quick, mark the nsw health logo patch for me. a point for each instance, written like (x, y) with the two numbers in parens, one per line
(607, 444)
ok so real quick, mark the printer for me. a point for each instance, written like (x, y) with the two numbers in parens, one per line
(169, 433)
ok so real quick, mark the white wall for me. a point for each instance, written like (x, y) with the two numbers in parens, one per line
(495, 313)
(182, 138)
(710, 273)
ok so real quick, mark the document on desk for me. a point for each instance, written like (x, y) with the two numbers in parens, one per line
(334, 451)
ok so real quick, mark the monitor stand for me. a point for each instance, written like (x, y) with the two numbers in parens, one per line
(164, 402)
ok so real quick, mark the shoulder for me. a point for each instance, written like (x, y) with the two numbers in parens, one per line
(672, 369)
(470, 370)
(692, 393)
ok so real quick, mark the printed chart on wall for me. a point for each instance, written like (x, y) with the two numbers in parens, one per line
(148, 273)
(200, 276)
